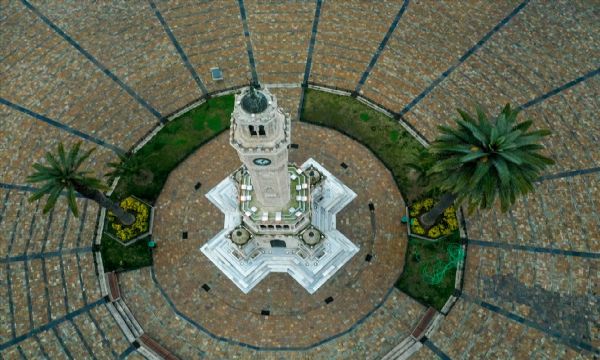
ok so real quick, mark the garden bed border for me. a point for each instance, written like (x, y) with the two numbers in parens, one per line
(409, 345)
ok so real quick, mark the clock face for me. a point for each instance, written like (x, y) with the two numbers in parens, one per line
(261, 161)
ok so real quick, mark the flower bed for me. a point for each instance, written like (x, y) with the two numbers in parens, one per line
(127, 234)
(445, 226)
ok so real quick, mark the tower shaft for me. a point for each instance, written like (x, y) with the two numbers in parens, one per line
(260, 133)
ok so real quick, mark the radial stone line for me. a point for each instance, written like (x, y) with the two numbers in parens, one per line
(178, 47)
(463, 58)
(382, 46)
(248, 42)
(94, 61)
(61, 126)
(529, 323)
(560, 89)
(51, 325)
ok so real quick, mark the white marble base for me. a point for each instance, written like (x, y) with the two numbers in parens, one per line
(311, 267)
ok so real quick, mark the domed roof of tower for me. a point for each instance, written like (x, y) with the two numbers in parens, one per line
(254, 101)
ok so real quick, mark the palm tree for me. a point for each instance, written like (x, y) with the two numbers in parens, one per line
(420, 164)
(126, 166)
(479, 161)
(62, 175)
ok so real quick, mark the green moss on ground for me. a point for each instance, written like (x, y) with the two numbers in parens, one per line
(173, 144)
(411, 281)
(395, 147)
(385, 137)
(118, 257)
(163, 153)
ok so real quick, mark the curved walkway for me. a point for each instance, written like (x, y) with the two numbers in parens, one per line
(297, 320)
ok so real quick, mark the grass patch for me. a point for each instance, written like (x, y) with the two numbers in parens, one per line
(411, 281)
(395, 147)
(118, 257)
(173, 143)
(387, 139)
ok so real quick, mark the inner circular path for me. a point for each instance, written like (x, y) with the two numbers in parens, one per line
(297, 319)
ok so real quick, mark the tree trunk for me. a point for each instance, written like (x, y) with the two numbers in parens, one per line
(124, 217)
(428, 219)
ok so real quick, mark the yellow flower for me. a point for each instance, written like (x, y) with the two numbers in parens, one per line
(428, 203)
(433, 232)
(141, 212)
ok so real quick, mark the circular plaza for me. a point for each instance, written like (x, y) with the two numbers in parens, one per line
(151, 86)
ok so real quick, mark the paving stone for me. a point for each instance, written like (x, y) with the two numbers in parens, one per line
(28, 140)
(111, 329)
(11, 353)
(461, 333)
(10, 220)
(179, 208)
(428, 39)
(20, 238)
(5, 316)
(135, 356)
(56, 288)
(68, 333)
(340, 61)
(71, 83)
(100, 348)
(39, 298)
(554, 291)
(423, 354)
(543, 47)
(280, 33)
(218, 42)
(73, 285)
(19, 298)
(559, 214)
(560, 51)
(31, 349)
(129, 41)
(90, 279)
(52, 345)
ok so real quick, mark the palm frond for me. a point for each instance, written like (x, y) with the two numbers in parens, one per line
(60, 175)
(72, 202)
(51, 201)
(482, 161)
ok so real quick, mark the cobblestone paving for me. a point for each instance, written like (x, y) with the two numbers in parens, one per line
(25, 140)
(557, 292)
(212, 35)
(280, 32)
(288, 99)
(514, 66)
(130, 41)
(561, 214)
(371, 339)
(341, 60)
(358, 287)
(429, 37)
(44, 73)
(473, 332)
(571, 116)
(47, 274)
(509, 267)
(424, 354)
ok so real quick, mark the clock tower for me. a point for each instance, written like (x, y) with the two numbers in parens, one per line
(260, 133)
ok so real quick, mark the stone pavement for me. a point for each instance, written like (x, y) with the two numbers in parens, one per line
(297, 319)
(370, 339)
(103, 75)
